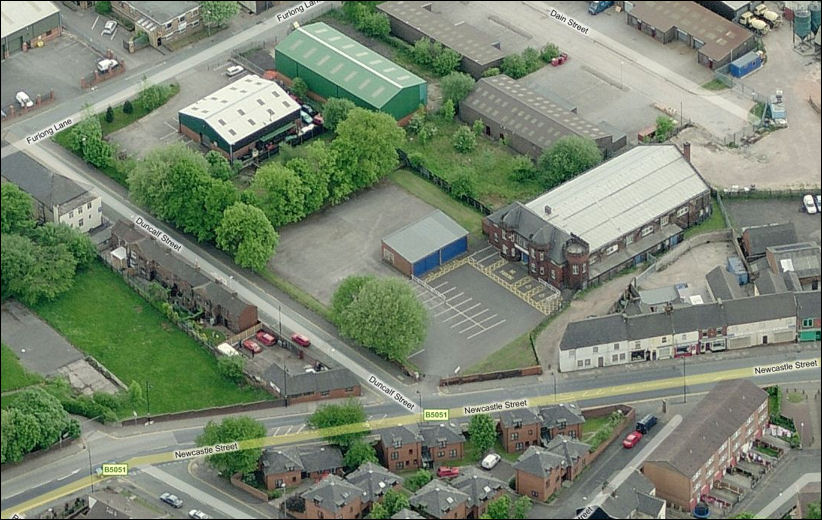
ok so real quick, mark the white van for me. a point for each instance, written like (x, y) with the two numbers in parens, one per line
(107, 65)
(233, 71)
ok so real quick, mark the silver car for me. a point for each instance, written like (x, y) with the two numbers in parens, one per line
(172, 500)
(110, 27)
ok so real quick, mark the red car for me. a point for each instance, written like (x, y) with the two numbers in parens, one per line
(447, 471)
(631, 440)
(252, 346)
(301, 340)
(265, 338)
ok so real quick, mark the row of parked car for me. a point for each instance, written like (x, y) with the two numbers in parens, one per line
(812, 204)
(270, 339)
(176, 502)
(643, 426)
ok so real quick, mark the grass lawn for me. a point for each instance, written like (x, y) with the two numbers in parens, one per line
(591, 426)
(14, 376)
(490, 165)
(517, 354)
(467, 217)
(298, 294)
(714, 84)
(103, 317)
(795, 397)
(714, 223)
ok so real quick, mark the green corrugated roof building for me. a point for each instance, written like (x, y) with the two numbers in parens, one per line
(334, 65)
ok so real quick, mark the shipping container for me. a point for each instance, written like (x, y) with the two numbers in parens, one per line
(748, 63)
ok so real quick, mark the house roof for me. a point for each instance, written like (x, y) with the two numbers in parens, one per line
(162, 12)
(405, 434)
(333, 493)
(281, 460)
(621, 195)
(594, 331)
(802, 258)
(110, 504)
(760, 308)
(438, 498)
(479, 486)
(522, 111)
(569, 449)
(509, 418)
(808, 305)
(244, 107)
(723, 285)
(310, 459)
(320, 458)
(720, 36)
(19, 15)
(374, 479)
(634, 495)
(433, 434)
(217, 293)
(660, 295)
(553, 414)
(719, 414)
(539, 461)
(425, 236)
(469, 41)
(308, 383)
(347, 63)
(770, 283)
(406, 513)
(650, 325)
(763, 237)
(698, 317)
(530, 225)
(51, 189)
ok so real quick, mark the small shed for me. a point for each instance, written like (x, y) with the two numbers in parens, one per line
(746, 64)
(424, 245)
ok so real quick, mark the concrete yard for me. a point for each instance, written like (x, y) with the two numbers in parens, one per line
(756, 212)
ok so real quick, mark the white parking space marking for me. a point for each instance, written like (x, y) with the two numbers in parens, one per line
(449, 309)
(440, 285)
(277, 431)
(486, 329)
(415, 353)
(469, 327)
(471, 307)
(455, 296)
(301, 428)
(463, 302)
(112, 34)
(448, 291)
(486, 319)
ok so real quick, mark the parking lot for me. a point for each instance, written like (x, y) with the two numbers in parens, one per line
(755, 212)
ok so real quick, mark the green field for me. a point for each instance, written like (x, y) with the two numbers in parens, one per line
(714, 223)
(490, 165)
(14, 376)
(103, 317)
(517, 354)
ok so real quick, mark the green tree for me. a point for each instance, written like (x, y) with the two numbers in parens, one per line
(446, 61)
(394, 501)
(522, 169)
(87, 141)
(299, 87)
(335, 110)
(464, 140)
(128, 108)
(664, 128)
(427, 132)
(20, 434)
(375, 25)
(478, 127)
(387, 317)
(347, 293)
(280, 192)
(378, 511)
(566, 158)
(135, 395)
(231, 430)
(498, 509)
(231, 367)
(422, 53)
(416, 123)
(218, 166)
(329, 417)
(549, 52)
(483, 434)
(463, 184)
(151, 96)
(16, 209)
(493, 71)
(214, 196)
(521, 507)
(813, 510)
(51, 417)
(246, 233)
(418, 480)
(102, 7)
(514, 66)
(455, 86)
(315, 169)
(359, 452)
(447, 110)
(32, 273)
(366, 146)
(532, 59)
(215, 14)
(109, 115)
(78, 243)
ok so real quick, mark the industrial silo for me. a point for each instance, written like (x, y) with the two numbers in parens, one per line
(802, 23)
(815, 9)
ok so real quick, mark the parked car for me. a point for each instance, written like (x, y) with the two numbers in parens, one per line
(490, 460)
(307, 119)
(631, 440)
(265, 338)
(645, 424)
(252, 346)
(301, 340)
(196, 513)
(810, 206)
(107, 65)
(308, 110)
(447, 472)
(110, 27)
(24, 100)
(819, 203)
(172, 500)
(318, 120)
(233, 70)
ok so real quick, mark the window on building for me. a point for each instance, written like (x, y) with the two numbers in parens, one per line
(349, 389)
(584, 268)
(398, 443)
(515, 436)
(520, 446)
(612, 249)
(587, 362)
(592, 260)
(541, 256)
(395, 455)
(71, 214)
(195, 23)
(553, 275)
(616, 346)
(182, 18)
(80, 223)
(168, 25)
(441, 454)
(88, 205)
(808, 322)
(533, 267)
(622, 357)
(575, 269)
(579, 363)
(441, 444)
(496, 237)
(534, 494)
(324, 393)
(663, 221)
(629, 239)
(79, 209)
(682, 211)
(400, 465)
(647, 230)
(664, 339)
(614, 358)
(99, 209)
(453, 454)
(541, 271)
(596, 349)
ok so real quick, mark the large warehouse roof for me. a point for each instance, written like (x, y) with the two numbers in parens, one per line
(424, 237)
(463, 38)
(346, 63)
(720, 35)
(243, 107)
(621, 195)
(533, 117)
(17, 15)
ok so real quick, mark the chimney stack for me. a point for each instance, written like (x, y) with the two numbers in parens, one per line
(686, 151)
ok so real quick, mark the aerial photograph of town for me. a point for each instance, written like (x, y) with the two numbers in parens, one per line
(411, 259)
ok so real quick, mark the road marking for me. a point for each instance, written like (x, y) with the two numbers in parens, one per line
(462, 302)
(483, 311)
(288, 430)
(300, 428)
(448, 291)
(456, 296)
(487, 257)
(452, 317)
(471, 307)
(277, 431)
(112, 35)
(443, 312)
(457, 324)
(95, 23)
(76, 471)
(440, 285)
(415, 353)
(486, 319)
(485, 329)
(463, 331)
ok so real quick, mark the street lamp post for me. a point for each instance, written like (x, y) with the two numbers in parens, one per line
(419, 399)
(801, 434)
(621, 84)
(148, 402)
(553, 374)
(88, 448)
(684, 388)
(280, 317)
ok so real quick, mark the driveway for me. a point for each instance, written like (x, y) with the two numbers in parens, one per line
(756, 212)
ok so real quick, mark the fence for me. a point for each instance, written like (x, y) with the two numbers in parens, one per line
(443, 184)
(759, 193)
(488, 376)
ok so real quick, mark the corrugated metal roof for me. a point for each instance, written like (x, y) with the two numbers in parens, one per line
(17, 15)
(243, 107)
(621, 195)
(346, 63)
(424, 237)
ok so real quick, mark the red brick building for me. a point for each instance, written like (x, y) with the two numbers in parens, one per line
(288, 466)
(481, 488)
(539, 473)
(375, 481)
(576, 455)
(441, 444)
(332, 497)
(400, 448)
(519, 429)
(561, 419)
(439, 500)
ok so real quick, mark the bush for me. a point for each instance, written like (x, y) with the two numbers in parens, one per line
(664, 128)
(478, 127)
(416, 123)
(447, 111)
(514, 66)
(549, 52)
(427, 132)
(463, 185)
(531, 57)
(375, 25)
(102, 7)
(152, 96)
(493, 71)
(299, 87)
(464, 140)
(128, 108)
(109, 115)
(456, 86)
(415, 160)
(446, 61)
(231, 367)
(523, 169)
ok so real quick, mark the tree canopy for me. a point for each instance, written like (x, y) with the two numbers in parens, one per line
(280, 192)
(246, 233)
(455, 86)
(333, 415)
(566, 158)
(16, 210)
(231, 430)
(335, 111)
(483, 434)
(218, 13)
(359, 452)
(418, 480)
(35, 420)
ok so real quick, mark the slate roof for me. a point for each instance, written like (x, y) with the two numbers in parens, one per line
(219, 294)
(698, 317)
(633, 496)
(333, 493)
(763, 237)
(127, 231)
(594, 331)
(51, 189)
(553, 414)
(569, 449)
(438, 498)
(802, 258)
(406, 434)
(712, 422)
(723, 285)
(281, 460)
(759, 308)
(539, 461)
(374, 479)
(162, 12)
(479, 486)
(308, 383)
(405, 513)
(531, 226)
(425, 236)
(432, 434)
(304, 458)
(525, 416)
(770, 283)
(650, 325)
(808, 305)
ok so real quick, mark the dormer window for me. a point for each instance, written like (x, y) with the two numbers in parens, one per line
(518, 423)
(398, 443)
